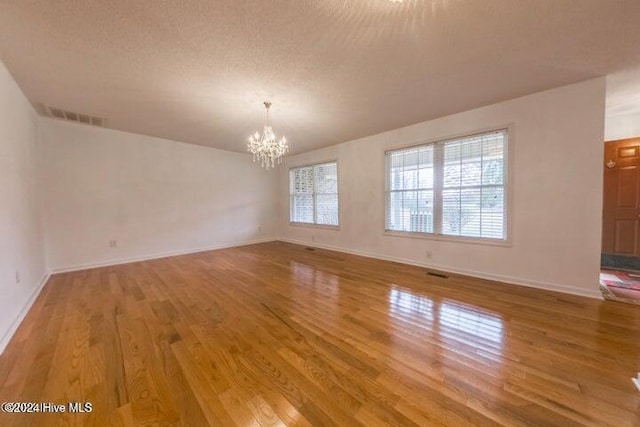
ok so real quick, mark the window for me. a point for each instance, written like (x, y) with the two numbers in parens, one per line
(454, 187)
(313, 194)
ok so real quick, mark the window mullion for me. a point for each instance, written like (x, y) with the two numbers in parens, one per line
(387, 191)
(438, 180)
(482, 213)
(505, 194)
(314, 195)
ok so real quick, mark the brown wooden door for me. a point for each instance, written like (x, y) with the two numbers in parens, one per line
(621, 210)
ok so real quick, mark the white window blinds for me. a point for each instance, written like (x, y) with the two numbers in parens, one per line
(313, 193)
(455, 187)
(410, 194)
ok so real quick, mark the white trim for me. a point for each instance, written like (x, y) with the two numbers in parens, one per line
(446, 238)
(86, 266)
(308, 224)
(306, 165)
(23, 312)
(449, 137)
(473, 273)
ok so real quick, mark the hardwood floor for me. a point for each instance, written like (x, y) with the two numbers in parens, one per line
(275, 334)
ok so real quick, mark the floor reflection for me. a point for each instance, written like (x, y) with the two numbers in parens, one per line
(405, 304)
(311, 290)
(463, 327)
(310, 277)
(471, 320)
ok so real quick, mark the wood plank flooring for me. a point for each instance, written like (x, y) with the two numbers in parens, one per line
(275, 334)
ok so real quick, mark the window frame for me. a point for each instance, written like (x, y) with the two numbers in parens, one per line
(314, 224)
(439, 186)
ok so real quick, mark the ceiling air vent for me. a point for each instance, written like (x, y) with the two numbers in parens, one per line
(59, 113)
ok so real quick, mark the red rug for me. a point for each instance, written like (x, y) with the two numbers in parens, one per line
(620, 285)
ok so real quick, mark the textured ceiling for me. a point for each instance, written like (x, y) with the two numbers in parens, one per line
(198, 71)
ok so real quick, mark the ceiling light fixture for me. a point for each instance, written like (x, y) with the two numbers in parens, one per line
(264, 146)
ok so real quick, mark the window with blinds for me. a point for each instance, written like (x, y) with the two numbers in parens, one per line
(455, 187)
(313, 194)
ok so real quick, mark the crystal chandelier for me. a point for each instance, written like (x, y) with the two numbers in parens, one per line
(264, 147)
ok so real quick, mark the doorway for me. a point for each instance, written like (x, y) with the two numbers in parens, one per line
(620, 258)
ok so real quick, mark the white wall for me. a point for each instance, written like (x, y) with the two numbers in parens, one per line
(153, 196)
(622, 126)
(622, 109)
(21, 243)
(556, 176)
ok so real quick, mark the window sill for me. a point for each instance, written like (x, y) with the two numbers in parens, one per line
(311, 225)
(445, 238)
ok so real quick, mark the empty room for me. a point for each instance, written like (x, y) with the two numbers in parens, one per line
(320, 213)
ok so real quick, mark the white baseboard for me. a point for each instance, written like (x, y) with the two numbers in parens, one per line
(481, 275)
(107, 263)
(23, 312)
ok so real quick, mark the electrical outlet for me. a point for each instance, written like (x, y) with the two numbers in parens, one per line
(313, 238)
(428, 254)
(113, 243)
(259, 229)
(18, 279)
